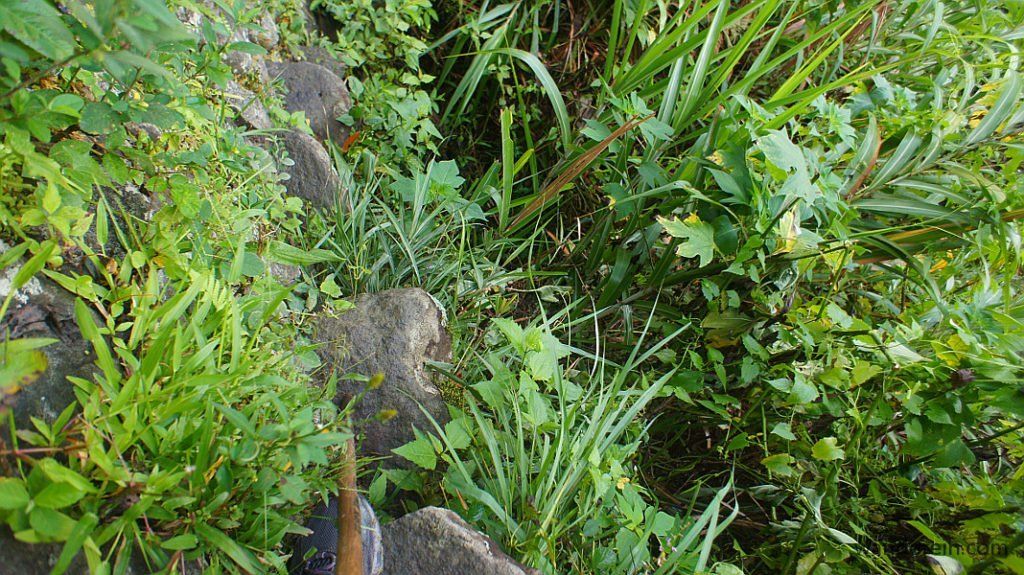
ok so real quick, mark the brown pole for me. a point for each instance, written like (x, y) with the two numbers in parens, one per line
(350, 540)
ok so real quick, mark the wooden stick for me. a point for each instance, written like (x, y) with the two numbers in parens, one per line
(350, 540)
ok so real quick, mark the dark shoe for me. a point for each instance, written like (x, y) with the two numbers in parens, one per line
(316, 553)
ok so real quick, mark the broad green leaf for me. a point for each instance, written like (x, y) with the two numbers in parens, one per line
(803, 391)
(781, 151)
(12, 493)
(419, 451)
(457, 432)
(38, 25)
(780, 464)
(98, 118)
(61, 474)
(782, 430)
(51, 524)
(512, 331)
(19, 367)
(827, 449)
(246, 47)
(58, 496)
(492, 392)
(698, 238)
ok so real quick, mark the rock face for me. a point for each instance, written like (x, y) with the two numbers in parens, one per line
(44, 309)
(311, 176)
(320, 55)
(250, 109)
(267, 35)
(395, 333)
(35, 559)
(17, 558)
(320, 93)
(437, 541)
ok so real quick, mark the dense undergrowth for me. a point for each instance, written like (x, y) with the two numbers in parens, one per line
(812, 209)
(734, 286)
(195, 437)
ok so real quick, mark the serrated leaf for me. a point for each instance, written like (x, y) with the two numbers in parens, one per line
(97, 118)
(515, 334)
(698, 238)
(456, 432)
(38, 25)
(781, 151)
(419, 451)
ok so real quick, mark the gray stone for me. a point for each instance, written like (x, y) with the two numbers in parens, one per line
(263, 31)
(285, 274)
(436, 541)
(319, 93)
(267, 35)
(319, 23)
(249, 107)
(43, 309)
(311, 175)
(127, 204)
(137, 129)
(395, 333)
(320, 55)
(246, 66)
(17, 558)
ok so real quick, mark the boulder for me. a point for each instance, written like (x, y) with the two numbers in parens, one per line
(248, 106)
(319, 55)
(17, 558)
(437, 541)
(263, 31)
(311, 175)
(266, 33)
(394, 333)
(247, 67)
(319, 23)
(43, 309)
(319, 93)
(286, 274)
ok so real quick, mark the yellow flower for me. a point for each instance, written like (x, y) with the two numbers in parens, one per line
(621, 483)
